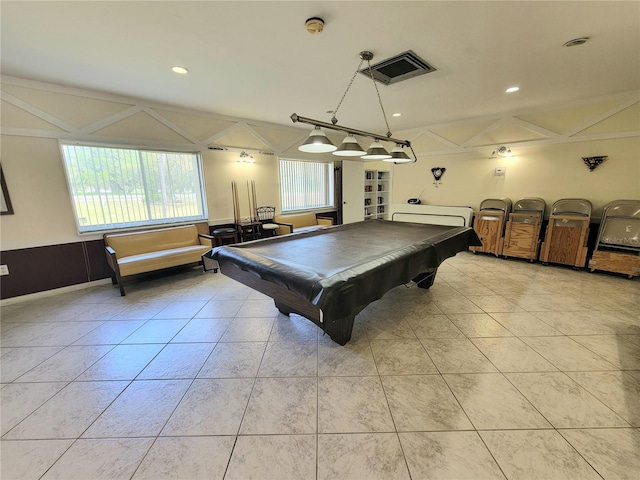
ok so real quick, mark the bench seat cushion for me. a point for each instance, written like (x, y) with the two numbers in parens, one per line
(146, 262)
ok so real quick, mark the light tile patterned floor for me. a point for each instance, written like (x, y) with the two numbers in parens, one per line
(503, 369)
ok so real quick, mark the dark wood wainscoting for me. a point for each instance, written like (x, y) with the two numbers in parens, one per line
(38, 269)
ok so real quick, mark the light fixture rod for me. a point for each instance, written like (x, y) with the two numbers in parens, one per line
(310, 121)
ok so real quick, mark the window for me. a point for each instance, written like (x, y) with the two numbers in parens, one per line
(305, 185)
(113, 187)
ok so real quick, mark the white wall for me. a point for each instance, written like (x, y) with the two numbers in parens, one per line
(551, 172)
(35, 115)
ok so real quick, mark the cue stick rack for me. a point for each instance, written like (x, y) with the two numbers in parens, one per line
(251, 199)
(249, 227)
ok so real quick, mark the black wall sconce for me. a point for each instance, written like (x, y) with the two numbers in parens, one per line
(593, 162)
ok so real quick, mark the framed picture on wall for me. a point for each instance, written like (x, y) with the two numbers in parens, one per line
(5, 201)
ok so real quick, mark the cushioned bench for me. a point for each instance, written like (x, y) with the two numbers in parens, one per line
(132, 253)
(300, 222)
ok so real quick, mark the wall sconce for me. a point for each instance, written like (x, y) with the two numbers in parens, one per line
(246, 158)
(317, 142)
(593, 162)
(501, 151)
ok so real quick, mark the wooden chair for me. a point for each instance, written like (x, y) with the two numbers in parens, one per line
(265, 217)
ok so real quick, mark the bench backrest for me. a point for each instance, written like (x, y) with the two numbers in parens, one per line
(298, 220)
(136, 243)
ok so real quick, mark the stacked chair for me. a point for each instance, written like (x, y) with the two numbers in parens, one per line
(522, 233)
(567, 233)
(489, 223)
(618, 243)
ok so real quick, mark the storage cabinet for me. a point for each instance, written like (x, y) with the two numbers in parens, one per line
(377, 193)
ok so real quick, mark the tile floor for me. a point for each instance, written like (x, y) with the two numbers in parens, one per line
(502, 369)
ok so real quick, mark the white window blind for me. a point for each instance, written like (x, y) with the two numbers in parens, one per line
(114, 187)
(305, 185)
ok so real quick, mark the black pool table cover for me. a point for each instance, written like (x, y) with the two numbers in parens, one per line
(342, 269)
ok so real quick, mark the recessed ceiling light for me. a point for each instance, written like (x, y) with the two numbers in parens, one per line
(397, 114)
(512, 89)
(180, 70)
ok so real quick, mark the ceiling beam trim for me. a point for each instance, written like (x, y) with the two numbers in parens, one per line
(603, 116)
(110, 120)
(172, 126)
(36, 112)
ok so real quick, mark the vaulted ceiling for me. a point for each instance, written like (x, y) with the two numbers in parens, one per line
(255, 60)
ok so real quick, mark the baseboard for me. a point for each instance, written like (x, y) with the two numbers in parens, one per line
(54, 292)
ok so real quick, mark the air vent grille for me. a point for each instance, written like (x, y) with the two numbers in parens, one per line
(401, 67)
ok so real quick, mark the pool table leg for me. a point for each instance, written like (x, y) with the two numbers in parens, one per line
(338, 329)
(426, 279)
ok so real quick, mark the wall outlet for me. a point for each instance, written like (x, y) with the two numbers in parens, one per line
(4, 270)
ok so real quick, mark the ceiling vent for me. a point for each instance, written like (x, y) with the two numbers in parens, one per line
(401, 67)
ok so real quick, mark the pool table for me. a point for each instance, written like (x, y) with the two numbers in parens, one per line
(328, 276)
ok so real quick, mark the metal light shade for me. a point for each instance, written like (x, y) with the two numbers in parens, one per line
(349, 148)
(376, 152)
(398, 156)
(317, 142)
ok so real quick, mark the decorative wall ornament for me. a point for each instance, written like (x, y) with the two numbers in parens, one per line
(437, 172)
(593, 162)
(5, 201)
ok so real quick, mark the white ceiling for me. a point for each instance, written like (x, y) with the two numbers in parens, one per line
(255, 60)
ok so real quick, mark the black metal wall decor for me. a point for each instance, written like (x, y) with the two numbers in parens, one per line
(593, 162)
(437, 172)
(5, 201)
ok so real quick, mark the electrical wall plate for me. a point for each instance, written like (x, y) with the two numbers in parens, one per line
(500, 171)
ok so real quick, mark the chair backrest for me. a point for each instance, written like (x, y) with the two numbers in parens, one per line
(265, 213)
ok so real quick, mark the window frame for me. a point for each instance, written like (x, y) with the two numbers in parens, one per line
(137, 148)
(329, 187)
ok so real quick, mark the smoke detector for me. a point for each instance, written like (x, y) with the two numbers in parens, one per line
(314, 25)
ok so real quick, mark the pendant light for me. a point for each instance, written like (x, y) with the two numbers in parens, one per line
(349, 147)
(317, 142)
(398, 155)
(376, 152)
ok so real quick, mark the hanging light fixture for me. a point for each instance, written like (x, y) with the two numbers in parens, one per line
(376, 152)
(317, 142)
(349, 147)
(398, 155)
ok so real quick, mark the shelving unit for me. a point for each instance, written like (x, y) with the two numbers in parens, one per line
(377, 194)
